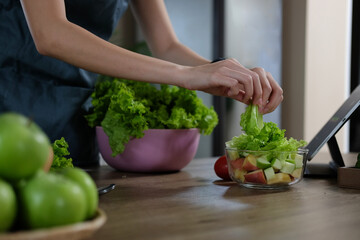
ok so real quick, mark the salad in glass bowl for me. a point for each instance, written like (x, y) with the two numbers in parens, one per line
(266, 169)
(262, 157)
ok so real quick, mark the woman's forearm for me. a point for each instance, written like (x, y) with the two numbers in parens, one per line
(81, 48)
(85, 50)
(56, 37)
(156, 26)
(180, 54)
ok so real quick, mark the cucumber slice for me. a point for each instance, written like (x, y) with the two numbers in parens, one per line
(269, 173)
(290, 161)
(283, 156)
(276, 164)
(262, 163)
(288, 167)
(298, 161)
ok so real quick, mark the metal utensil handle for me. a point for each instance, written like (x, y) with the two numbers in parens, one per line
(106, 189)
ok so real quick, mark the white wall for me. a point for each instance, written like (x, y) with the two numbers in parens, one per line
(316, 65)
(327, 63)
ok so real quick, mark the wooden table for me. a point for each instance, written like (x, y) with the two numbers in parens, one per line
(195, 204)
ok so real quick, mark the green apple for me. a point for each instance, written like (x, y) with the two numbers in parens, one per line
(24, 147)
(88, 185)
(8, 206)
(49, 200)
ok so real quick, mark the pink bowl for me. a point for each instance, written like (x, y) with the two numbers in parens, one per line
(160, 150)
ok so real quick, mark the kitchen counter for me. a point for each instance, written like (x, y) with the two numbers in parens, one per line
(194, 204)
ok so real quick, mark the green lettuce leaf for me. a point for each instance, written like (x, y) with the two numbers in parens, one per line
(60, 148)
(262, 136)
(251, 120)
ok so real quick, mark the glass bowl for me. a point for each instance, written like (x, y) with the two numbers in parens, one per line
(266, 169)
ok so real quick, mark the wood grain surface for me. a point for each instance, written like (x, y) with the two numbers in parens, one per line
(77, 231)
(195, 204)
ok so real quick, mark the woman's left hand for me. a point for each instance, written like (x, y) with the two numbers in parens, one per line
(272, 93)
(229, 78)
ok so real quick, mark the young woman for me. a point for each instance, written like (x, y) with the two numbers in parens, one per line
(51, 52)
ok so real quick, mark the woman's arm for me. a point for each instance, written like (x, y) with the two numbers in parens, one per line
(55, 36)
(160, 36)
(156, 26)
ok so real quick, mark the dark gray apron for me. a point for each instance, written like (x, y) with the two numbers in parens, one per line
(53, 93)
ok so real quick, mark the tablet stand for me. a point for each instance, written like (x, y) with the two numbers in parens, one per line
(327, 135)
(323, 170)
(335, 152)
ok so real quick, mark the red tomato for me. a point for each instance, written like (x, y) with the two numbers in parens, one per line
(221, 168)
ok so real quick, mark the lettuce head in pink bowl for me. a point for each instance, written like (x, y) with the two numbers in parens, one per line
(144, 128)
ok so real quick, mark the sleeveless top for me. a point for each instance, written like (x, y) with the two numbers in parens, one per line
(51, 92)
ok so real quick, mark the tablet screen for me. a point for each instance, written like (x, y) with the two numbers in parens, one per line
(335, 123)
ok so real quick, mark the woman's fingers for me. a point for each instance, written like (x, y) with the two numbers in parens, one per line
(275, 97)
(230, 79)
(257, 86)
(249, 80)
(241, 81)
(265, 86)
(254, 80)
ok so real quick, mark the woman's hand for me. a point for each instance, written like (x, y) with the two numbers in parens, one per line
(231, 79)
(272, 93)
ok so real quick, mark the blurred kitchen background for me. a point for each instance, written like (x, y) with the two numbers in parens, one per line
(308, 46)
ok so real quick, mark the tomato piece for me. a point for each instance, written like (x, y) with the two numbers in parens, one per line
(221, 168)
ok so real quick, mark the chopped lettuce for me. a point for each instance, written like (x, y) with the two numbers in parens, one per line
(125, 109)
(252, 121)
(262, 136)
(60, 148)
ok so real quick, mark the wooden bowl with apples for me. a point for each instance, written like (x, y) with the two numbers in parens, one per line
(266, 169)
